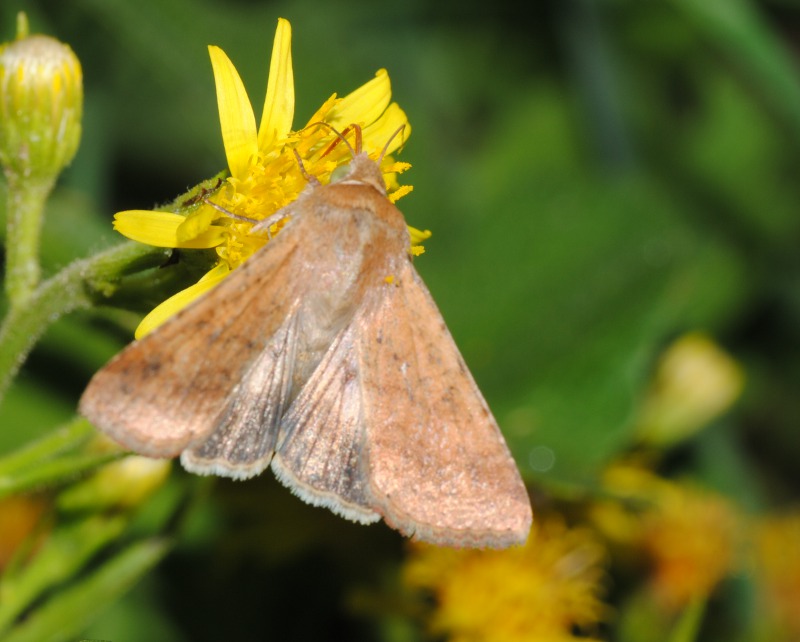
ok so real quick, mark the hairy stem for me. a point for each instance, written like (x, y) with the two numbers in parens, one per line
(79, 285)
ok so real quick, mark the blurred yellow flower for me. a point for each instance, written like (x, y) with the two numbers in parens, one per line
(542, 591)
(19, 516)
(777, 559)
(264, 172)
(688, 536)
(629, 493)
(691, 538)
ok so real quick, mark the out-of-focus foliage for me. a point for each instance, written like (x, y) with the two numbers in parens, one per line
(604, 179)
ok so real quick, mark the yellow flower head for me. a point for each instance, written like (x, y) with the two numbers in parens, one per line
(691, 539)
(537, 592)
(688, 535)
(264, 172)
(777, 558)
(20, 515)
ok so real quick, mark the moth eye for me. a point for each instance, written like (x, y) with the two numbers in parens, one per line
(339, 173)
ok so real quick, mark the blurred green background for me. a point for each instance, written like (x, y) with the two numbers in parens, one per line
(600, 177)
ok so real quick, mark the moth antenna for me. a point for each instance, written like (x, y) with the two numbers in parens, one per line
(341, 136)
(389, 142)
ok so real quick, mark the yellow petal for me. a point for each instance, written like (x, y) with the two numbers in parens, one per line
(276, 119)
(378, 133)
(323, 110)
(364, 105)
(418, 236)
(400, 192)
(396, 167)
(235, 114)
(177, 302)
(160, 229)
(196, 225)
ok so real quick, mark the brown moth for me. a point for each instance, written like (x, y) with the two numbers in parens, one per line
(325, 357)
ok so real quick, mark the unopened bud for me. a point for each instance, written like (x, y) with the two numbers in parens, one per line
(41, 104)
(696, 381)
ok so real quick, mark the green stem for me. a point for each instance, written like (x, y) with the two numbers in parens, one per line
(688, 627)
(56, 471)
(66, 551)
(79, 285)
(79, 602)
(55, 443)
(25, 208)
(48, 461)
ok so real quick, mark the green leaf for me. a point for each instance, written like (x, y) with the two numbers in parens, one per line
(56, 471)
(55, 443)
(744, 36)
(568, 283)
(62, 556)
(48, 462)
(64, 618)
(688, 626)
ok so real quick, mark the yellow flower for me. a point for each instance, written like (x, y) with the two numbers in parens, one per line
(691, 539)
(777, 558)
(688, 535)
(540, 592)
(264, 172)
(20, 516)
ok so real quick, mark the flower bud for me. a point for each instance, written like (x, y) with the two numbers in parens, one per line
(126, 483)
(41, 103)
(695, 382)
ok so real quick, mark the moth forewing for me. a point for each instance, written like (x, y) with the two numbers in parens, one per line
(439, 467)
(164, 392)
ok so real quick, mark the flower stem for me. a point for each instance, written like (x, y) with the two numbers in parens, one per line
(79, 285)
(25, 206)
(48, 447)
(53, 472)
(53, 459)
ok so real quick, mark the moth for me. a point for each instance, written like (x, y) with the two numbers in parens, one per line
(325, 358)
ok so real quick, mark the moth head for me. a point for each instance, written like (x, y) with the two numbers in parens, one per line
(361, 170)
